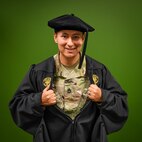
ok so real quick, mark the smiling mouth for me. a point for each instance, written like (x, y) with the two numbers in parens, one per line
(70, 49)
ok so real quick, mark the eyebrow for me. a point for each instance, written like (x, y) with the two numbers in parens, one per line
(72, 34)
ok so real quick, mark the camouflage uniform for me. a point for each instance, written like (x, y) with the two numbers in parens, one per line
(70, 86)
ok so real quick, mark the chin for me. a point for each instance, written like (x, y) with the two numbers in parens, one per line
(70, 55)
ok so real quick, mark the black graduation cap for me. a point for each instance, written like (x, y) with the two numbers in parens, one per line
(71, 22)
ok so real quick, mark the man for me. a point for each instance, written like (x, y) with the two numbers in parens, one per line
(69, 97)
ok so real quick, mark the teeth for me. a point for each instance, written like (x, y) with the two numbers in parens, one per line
(70, 48)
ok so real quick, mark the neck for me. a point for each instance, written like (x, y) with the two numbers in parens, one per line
(69, 61)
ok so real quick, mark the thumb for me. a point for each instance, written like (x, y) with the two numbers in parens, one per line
(46, 88)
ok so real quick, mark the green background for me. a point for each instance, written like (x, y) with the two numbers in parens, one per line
(25, 39)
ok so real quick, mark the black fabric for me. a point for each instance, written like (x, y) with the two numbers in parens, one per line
(69, 22)
(51, 124)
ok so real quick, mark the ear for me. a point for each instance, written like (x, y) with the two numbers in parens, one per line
(55, 37)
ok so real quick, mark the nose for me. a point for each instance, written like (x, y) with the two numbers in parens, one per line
(70, 42)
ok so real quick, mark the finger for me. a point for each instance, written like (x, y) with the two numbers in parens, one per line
(49, 92)
(50, 95)
(46, 93)
(91, 89)
(92, 86)
(96, 97)
(89, 93)
(51, 101)
(94, 89)
(90, 96)
(46, 88)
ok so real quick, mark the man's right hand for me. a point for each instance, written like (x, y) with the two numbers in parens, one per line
(48, 97)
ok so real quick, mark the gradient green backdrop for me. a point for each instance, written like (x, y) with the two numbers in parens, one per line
(25, 38)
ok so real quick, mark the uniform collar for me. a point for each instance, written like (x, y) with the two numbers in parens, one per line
(59, 66)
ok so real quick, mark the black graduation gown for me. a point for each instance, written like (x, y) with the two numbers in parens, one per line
(51, 124)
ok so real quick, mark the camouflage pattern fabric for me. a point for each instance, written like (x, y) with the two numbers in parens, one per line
(70, 86)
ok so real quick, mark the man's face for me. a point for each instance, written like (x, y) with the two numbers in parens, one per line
(69, 42)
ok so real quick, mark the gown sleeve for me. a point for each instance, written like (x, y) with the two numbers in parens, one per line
(25, 106)
(114, 108)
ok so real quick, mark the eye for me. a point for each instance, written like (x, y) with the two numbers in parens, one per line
(76, 37)
(64, 36)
